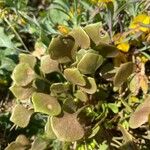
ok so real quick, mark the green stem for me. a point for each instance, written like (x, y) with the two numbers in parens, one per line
(18, 36)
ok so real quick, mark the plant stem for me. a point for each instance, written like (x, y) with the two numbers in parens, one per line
(17, 35)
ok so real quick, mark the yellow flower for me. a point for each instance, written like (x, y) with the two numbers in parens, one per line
(142, 59)
(121, 43)
(63, 29)
(139, 21)
(133, 99)
(124, 46)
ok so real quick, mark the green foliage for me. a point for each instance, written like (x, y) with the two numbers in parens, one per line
(84, 75)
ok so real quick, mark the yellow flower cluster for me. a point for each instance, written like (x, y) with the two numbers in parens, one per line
(63, 29)
(140, 23)
(121, 43)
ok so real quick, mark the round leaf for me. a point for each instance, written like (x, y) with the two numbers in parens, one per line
(141, 114)
(48, 65)
(21, 116)
(59, 87)
(134, 84)
(81, 38)
(22, 139)
(90, 63)
(48, 130)
(23, 74)
(81, 96)
(60, 48)
(124, 71)
(22, 93)
(15, 146)
(97, 33)
(73, 75)
(46, 104)
(67, 128)
(27, 58)
(90, 86)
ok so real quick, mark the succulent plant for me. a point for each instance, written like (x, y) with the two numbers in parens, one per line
(71, 76)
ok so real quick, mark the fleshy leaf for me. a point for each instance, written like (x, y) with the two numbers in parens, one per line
(39, 144)
(74, 76)
(67, 128)
(81, 96)
(144, 84)
(39, 49)
(124, 71)
(21, 116)
(23, 74)
(22, 93)
(22, 139)
(81, 38)
(141, 114)
(48, 130)
(41, 85)
(59, 87)
(90, 63)
(46, 104)
(90, 86)
(48, 65)
(60, 48)
(134, 84)
(27, 58)
(15, 146)
(107, 50)
(97, 33)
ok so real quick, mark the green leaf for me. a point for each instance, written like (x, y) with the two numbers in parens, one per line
(58, 88)
(7, 64)
(144, 84)
(15, 146)
(113, 107)
(39, 144)
(67, 128)
(22, 93)
(96, 32)
(74, 76)
(134, 84)
(27, 58)
(41, 85)
(48, 65)
(124, 71)
(90, 86)
(141, 114)
(60, 48)
(106, 50)
(48, 130)
(90, 63)
(81, 38)
(21, 116)
(46, 104)
(81, 96)
(23, 74)
(5, 41)
(22, 139)
(55, 14)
